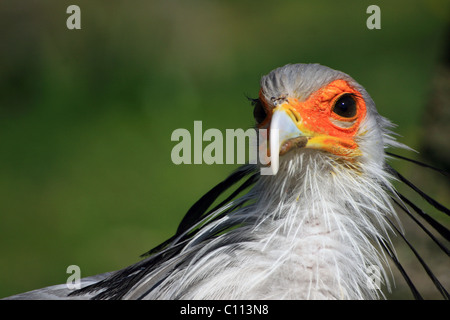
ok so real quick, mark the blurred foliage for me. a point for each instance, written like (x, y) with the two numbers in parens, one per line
(86, 115)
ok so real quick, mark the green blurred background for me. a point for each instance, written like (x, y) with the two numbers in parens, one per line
(86, 115)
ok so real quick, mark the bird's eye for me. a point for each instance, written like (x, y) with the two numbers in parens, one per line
(345, 106)
(258, 112)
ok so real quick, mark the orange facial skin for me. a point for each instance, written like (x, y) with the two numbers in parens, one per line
(315, 118)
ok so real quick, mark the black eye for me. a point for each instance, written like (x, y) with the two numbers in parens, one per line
(345, 106)
(258, 112)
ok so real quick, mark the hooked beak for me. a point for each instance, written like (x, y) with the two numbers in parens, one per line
(287, 131)
(284, 135)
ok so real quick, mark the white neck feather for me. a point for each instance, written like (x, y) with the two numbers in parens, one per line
(325, 218)
(312, 233)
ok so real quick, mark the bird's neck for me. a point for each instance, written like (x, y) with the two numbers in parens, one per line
(310, 232)
(327, 219)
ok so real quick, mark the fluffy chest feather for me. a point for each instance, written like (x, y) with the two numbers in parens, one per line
(302, 242)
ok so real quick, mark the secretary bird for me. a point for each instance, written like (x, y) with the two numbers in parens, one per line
(308, 231)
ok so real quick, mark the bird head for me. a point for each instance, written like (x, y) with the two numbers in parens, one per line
(312, 108)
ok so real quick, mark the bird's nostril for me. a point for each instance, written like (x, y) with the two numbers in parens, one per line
(296, 116)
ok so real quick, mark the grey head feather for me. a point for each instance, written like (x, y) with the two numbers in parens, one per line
(299, 80)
